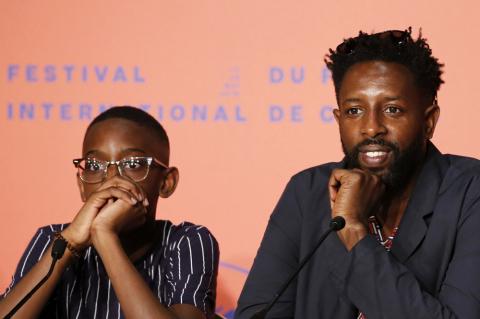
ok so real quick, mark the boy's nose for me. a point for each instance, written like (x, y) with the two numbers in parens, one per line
(112, 170)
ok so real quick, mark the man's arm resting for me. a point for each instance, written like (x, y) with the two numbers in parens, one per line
(380, 286)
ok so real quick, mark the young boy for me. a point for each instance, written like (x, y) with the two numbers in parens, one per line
(120, 262)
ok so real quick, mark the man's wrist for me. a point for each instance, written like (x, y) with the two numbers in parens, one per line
(352, 233)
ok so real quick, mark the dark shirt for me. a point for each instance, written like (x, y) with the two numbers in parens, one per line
(432, 270)
(181, 268)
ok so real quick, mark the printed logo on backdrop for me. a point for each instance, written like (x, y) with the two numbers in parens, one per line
(297, 76)
(286, 77)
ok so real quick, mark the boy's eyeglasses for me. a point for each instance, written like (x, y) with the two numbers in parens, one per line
(92, 170)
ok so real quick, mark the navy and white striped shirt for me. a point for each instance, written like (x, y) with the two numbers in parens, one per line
(181, 268)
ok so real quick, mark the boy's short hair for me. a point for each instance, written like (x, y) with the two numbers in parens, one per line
(135, 115)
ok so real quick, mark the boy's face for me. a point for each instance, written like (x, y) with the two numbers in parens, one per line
(116, 139)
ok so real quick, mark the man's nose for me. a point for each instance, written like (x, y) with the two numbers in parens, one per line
(373, 125)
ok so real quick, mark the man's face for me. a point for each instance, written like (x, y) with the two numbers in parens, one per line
(116, 139)
(384, 120)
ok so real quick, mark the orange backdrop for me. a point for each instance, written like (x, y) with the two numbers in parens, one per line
(240, 86)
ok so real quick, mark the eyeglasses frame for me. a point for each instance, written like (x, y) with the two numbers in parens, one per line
(150, 160)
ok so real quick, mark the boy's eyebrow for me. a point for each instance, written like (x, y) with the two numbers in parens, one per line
(91, 152)
(352, 99)
(394, 98)
(130, 149)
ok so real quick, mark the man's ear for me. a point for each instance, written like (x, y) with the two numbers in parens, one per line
(432, 113)
(336, 114)
(81, 188)
(169, 182)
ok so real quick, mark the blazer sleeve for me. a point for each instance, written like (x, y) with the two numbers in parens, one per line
(382, 287)
(276, 259)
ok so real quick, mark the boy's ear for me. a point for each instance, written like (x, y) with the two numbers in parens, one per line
(81, 189)
(169, 182)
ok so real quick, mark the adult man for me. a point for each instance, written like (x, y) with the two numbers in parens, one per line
(410, 245)
(121, 261)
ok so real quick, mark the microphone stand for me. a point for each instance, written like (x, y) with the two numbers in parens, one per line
(58, 249)
(336, 224)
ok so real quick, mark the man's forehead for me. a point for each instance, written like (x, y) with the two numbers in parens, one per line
(372, 76)
(377, 68)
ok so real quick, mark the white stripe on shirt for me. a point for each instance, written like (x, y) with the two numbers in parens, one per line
(184, 287)
(30, 251)
(44, 247)
(98, 289)
(191, 257)
(108, 298)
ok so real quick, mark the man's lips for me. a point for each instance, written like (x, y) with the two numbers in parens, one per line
(374, 156)
(373, 148)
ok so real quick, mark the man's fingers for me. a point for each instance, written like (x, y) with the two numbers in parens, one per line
(338, 174)
(354, 192)
(334, 183)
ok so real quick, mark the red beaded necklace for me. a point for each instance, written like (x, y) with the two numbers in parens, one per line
(376, 229)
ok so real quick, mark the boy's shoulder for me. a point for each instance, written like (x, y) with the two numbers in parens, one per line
(50, 229)
(172, 233)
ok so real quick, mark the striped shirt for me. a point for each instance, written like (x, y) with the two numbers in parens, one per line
(181, 268)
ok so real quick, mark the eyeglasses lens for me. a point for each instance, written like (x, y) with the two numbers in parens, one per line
(94, 171)
(91, 170)
(134, 168)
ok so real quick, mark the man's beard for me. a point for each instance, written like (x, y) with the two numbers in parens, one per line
(403, 166)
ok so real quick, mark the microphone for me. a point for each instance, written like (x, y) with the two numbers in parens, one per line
(58, 249)
(337, 223)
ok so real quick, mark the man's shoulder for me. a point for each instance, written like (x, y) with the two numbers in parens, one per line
(461, 169)
(463, 164)
(463, 173)
(316, 175)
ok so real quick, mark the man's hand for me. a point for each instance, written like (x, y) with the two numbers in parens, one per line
(354, 194)
(113, 190)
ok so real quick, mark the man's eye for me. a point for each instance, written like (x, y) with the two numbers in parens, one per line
(353, 111)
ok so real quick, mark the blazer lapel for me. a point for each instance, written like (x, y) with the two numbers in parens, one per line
(413, 225)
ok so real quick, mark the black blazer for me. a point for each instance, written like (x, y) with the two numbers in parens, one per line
(432, 271)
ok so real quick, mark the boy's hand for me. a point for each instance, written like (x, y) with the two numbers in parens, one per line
(119, 216)
(114, 189)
